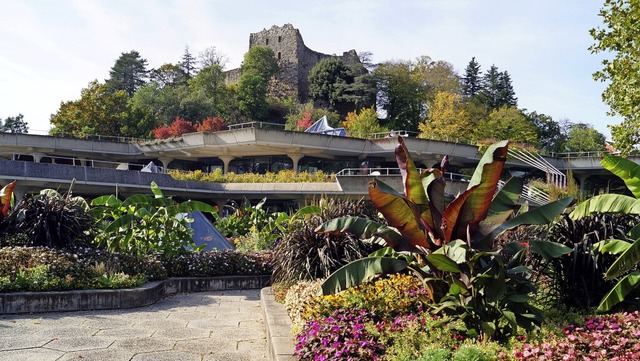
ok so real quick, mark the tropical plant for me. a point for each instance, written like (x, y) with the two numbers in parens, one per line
(625, 267)
(448, 244)
(50, 219)
(6, 199)
(142, 224)
(304, 254)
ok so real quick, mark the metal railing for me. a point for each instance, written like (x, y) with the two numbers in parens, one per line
(93, 163)
(259, 125)
(348, 172)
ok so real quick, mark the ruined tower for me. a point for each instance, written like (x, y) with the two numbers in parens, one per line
(294, 58)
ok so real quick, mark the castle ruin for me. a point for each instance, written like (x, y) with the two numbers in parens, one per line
(294, 58)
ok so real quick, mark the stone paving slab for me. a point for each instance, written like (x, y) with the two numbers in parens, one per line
(207, 326)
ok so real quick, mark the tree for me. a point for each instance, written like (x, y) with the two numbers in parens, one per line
(471, 81)
(211, 56)
(497, 90)
(508, 123)
(212, 124)
(15, 125)
(437, 76)
(363, 123)
(506, 94)
(168, 75)
(98, 111)
(448, 119)
(583, 138)
(188, 64)
(328, 80)
(550, 133)
(128, 73)
(262, 60)
(620, 36)
(177, 128)
(258, 67)
(302, 116)
(401, 94)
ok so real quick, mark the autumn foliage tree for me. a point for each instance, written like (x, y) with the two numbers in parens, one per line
(177, 128)
(212, 124)
(362, 124)
(448, 117)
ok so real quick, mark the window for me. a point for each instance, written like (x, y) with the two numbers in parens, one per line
(279, 38)
(267, 42)
(278, 55)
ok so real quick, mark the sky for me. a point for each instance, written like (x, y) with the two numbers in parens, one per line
(50, 50)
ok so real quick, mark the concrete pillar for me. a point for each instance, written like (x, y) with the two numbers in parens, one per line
(582, 178)
(226, 159)
(295, 157)
(37, 157)
(165, 163)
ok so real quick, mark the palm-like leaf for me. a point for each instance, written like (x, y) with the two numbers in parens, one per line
(5, 198)
(617, 294)
(606, 203)
(361, 270)
(627, 170)
(626, 261)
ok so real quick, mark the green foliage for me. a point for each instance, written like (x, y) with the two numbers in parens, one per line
(6, 199)
(619, 37)
(363, 124)
(217, 263)
(252, 93)
(300, 115)
(508, 123)
(144, 225)
(582, 138)
(100, 110)
(15, 125)
(488, 293)
(448, 118)
(50, 219)
(283, 176)
(128, 73)
(261, 59)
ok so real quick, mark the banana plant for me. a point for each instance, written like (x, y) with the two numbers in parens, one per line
(420, 221)
(6, 199)
(626, 264)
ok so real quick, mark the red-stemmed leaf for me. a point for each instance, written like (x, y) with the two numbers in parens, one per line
(452, 227)
(400, 214)
(5, 197)
(413, 189)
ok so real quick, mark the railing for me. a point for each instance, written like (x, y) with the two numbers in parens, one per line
(260, 125)
(106, 138)
(93, 163)
(348, 172)
(588, 154)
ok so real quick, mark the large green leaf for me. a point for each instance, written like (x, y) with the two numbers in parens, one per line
(503, 205)
(359, 271)
(627, 170)
(191, 206)
(413, 189)
(549, 250)
(367, 229)
(400, 214)
(122, 222)
(617, 294)
(541, 215)
(626, 261)
(304, 211)
(138, 199)
(485, 179)
(443, 263)
(109, 201)
(612, 246)
(606, 203)
(155, 189)
(451, 226)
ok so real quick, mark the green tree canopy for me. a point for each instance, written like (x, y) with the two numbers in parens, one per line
(128, 73)
(252, 94)
(328, 80)
(168, 75)
(582, 138)
(508, 123)
(98, 111)
(551, 134)
(14, 125)
(620, 37)
(262, 60)
(471, 81)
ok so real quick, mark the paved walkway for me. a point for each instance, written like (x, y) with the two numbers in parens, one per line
(203, 326)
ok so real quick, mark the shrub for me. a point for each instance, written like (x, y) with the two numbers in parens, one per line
(218, 263)
(342, 336)
(304, 254)
(388, 297)
(297, 298)
(612, 337)
(578, 278)
(49, 219)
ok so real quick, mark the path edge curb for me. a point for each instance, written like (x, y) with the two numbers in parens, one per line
(147, 294)
(277, 323)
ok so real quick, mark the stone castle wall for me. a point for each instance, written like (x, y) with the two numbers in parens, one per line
(294, 58)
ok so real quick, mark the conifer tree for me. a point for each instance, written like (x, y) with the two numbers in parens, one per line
(188, 64)
(128, 73)
(471, 82)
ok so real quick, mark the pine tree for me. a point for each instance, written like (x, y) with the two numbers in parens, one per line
(489, 94)
(506, 94)
(188, 64)
(471, 82)
(128, 73)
